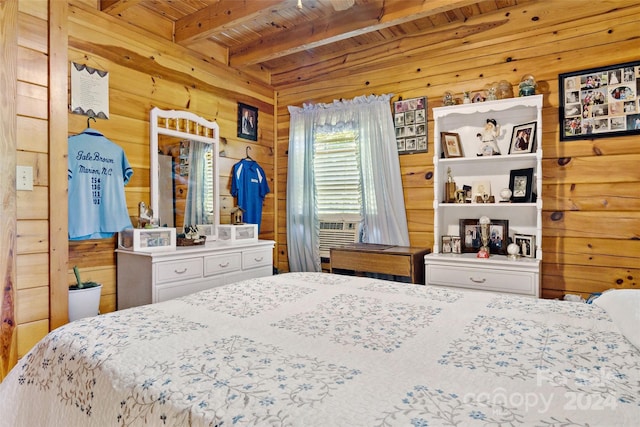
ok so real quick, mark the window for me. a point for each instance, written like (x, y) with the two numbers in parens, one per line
(337, 174)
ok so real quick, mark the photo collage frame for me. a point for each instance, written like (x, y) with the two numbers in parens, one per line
(410, 122)
(600, 102)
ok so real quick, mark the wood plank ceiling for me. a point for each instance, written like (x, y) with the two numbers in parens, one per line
(275, 40)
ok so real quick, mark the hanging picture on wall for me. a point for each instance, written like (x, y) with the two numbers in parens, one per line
(600, 102)
(410, 121)
(247, 122)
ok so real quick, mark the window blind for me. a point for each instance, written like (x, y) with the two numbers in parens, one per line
(337, 173)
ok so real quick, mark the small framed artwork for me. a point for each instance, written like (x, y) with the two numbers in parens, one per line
(446, 245)
(410, 116)
(521, 185)
(523, 138)
(451, 145)
(526, 243)
(471, 240)
(599, 102)
(247, 122)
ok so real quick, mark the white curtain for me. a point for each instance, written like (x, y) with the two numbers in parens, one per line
(197, 186)
(384, 213)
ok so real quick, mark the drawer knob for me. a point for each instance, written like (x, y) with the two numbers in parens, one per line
(184, 270)
(474, 280)
(226, 264)
(258, 259)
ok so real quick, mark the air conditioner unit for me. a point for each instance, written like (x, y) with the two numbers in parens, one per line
(337, 233)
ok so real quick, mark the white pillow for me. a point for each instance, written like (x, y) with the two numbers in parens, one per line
(623, 305)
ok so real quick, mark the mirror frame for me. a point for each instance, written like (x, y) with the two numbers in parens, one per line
(184, 125)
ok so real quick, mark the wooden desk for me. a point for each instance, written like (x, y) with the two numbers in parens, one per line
(385, 259)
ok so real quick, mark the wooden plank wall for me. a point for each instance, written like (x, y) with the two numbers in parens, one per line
(591, 204)
(32, 302)
(146, 71)
(8, 90)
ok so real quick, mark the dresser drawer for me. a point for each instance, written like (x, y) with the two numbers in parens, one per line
(519, 282)
(175, 290)
(223, 263)
(257, 258)
(184, 269)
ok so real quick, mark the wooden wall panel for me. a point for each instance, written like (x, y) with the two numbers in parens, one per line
(590, 199)
(146, 70)
(30, 333)
(9, 18)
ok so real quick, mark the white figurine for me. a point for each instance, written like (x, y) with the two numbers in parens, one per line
(489, 139)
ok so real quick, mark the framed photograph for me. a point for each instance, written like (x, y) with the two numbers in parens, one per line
(600, 102)
(523, 139)
(455, 245)
(521, 185)
(247, 122)
(470, 240)
(451, 145)
(527, 244)
(481, 189)
(446, 245)
(410, 117)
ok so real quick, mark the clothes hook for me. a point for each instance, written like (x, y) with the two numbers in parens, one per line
(247, 152)
(89, 120)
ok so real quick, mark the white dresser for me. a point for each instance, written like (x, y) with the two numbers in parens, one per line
(499, 274)
(151, 277)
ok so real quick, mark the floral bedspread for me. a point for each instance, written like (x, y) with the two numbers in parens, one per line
(315, 349)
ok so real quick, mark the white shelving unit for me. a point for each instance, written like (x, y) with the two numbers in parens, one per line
(497, 273)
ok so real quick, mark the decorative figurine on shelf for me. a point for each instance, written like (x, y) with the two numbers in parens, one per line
(504, 90)
(489, 139)
(527, 85)
(447, 99)
(491, 90)
(145, 216)
(485, 226)
(467, 98)
(237, 216)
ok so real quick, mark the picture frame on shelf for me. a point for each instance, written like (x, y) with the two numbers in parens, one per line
(521, 185)
(526, 243)
(481, 189)
(410, 122)
(455, 245)
(599, 102)
(446, 245)
(451, 145)
(247, 122)
(470, 240)
(523, 138)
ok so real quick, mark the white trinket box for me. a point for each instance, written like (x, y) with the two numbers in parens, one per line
(237, 233)
(148, 239)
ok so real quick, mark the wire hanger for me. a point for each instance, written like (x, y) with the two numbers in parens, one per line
(248, 157)
(89, 121)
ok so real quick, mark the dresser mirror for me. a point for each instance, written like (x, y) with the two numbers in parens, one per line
(184, 171)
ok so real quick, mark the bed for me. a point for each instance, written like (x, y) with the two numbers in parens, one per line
(317, 349)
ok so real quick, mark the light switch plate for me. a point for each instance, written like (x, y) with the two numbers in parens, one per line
(24, 178)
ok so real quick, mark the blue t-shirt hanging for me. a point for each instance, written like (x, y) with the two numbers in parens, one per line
(249, 185)
(98, 172)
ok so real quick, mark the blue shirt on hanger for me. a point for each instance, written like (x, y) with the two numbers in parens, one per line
(98, 171)
(249, 184)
